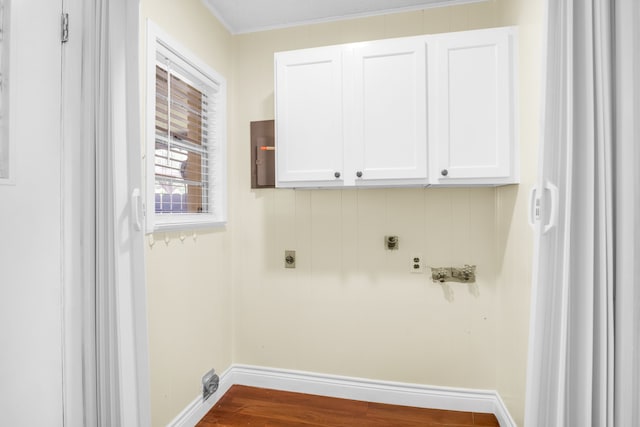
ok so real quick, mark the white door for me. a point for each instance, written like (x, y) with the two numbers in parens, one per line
(389, 108)
(473, 112)
(31, 383)
(309, 124)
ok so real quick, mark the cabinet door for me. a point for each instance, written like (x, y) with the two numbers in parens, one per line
(309, 123)
(473, 110)
(389, 112)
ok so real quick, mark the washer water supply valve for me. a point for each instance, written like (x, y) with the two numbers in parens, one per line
(466, 274)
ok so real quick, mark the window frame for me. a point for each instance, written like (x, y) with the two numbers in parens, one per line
(159, 42)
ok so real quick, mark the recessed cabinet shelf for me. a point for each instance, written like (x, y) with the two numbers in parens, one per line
(414, 111)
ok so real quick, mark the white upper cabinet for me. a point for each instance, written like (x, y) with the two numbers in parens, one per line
(388, 143)
(415, 111)
(309, 111)
(472, 108)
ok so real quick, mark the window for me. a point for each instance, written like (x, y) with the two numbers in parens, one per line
(186, 156)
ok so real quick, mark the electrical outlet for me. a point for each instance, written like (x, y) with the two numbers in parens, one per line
(417, 265)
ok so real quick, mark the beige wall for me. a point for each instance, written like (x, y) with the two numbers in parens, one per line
(515, 246)
(350, 307)
(188, 281)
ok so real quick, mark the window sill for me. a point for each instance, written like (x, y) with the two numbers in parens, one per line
(186, 222)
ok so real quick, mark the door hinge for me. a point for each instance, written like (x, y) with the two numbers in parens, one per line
(65, 28)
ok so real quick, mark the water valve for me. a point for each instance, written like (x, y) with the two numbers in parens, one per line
(465, 274)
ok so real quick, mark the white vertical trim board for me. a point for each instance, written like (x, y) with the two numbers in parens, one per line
(394, 393)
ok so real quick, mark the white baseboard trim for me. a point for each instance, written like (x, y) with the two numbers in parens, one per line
(421, 396)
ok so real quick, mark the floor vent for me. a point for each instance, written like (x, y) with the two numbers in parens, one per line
(210, 382)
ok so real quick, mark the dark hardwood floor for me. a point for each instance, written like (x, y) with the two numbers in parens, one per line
(250, 406)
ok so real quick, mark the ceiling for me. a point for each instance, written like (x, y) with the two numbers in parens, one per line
(245, 16)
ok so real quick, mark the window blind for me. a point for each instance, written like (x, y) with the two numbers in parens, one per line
(185, 138)
(184, 149)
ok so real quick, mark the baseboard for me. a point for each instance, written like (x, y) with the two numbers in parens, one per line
(417, 395)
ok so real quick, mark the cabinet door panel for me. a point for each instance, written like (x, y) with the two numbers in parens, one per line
(474, 107)
(390, 135)
(309, 124)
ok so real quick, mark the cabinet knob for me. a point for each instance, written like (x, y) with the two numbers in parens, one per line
(444, 172)
(359, 174)
(337, 174)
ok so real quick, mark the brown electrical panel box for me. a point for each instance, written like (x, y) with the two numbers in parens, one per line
(263, 154)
